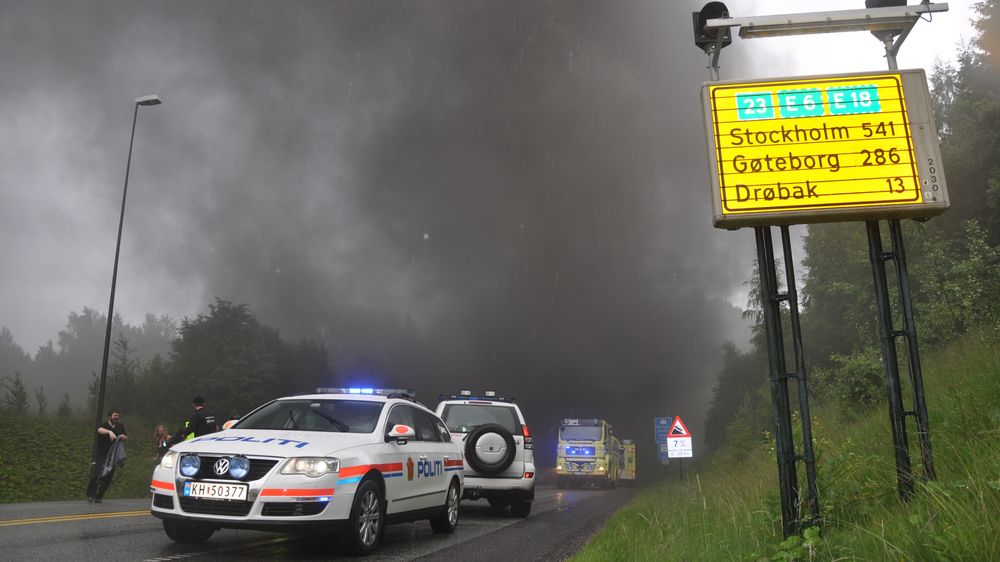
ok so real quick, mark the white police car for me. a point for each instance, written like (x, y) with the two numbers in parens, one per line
(343, 460)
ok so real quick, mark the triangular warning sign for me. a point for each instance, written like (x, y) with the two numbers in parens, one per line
(678, 429)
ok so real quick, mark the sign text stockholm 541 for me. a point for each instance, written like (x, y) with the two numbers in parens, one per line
(820, 149)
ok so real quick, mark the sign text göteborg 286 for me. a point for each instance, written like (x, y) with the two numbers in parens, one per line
(823, 148)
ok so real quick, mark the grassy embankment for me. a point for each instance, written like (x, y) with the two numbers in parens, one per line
(730, 510)
(48, 459)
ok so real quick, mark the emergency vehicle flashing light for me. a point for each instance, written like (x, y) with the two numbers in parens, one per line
(366, 391)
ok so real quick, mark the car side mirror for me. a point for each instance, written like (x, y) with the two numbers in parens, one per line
(400, 434)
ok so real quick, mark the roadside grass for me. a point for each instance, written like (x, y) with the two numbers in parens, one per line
(728, 509)
(48, 459)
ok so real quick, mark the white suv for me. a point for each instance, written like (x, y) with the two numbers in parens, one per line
(499, 461)
(346, 461)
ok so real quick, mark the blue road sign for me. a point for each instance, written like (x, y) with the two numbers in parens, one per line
(661, 427)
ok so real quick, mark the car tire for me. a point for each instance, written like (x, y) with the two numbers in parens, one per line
(366, 522)
(520, 508)
(186, 533)
(447, 520)
(478, 464)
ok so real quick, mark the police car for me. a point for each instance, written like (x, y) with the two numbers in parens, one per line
(346, 461)
(499, 460)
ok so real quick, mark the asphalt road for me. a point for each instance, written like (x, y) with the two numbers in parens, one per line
(560, 523)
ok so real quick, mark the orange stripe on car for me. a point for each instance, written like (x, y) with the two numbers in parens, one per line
(162, 484)
(458, 462)
(283, 492)
(361, 469)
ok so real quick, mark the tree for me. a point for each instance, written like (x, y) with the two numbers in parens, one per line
(967, 101)
(228, 357)
(122, 378)
(15, 397)
(739, 384)
(12, 357)
(153, 385)
(65, 408)
(838, 305)
(42, 400)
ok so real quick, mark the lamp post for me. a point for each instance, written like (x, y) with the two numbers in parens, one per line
(146, 101)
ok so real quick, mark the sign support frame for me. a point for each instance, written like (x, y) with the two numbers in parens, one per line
(891, 25)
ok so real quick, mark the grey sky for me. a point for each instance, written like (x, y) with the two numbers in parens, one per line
(519, 186)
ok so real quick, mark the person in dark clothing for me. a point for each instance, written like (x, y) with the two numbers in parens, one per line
(201, 422)
(109, 431)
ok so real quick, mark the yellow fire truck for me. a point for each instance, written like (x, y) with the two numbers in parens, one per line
(628, 470)
(588, 452)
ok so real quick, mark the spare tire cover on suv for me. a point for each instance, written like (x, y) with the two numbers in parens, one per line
(490, 449)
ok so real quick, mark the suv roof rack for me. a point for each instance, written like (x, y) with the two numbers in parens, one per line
(489, 395)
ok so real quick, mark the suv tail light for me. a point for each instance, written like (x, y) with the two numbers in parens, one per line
(528, 443)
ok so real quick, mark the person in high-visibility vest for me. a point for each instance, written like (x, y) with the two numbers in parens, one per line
(201, 422)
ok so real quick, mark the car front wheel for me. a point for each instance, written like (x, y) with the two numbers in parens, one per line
(366, 522)
(447, 520)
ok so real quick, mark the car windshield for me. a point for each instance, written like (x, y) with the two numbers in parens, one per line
(580, 433)
(463, 418)
(340, 416)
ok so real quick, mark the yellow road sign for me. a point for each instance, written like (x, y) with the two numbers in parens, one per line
(823, 148)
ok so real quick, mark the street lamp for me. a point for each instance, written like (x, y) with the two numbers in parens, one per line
(143, 100)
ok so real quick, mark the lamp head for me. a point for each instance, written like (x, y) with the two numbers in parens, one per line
(151, 99)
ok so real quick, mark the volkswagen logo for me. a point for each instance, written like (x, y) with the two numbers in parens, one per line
(221, 467)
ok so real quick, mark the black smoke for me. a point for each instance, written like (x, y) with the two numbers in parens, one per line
(504, 195)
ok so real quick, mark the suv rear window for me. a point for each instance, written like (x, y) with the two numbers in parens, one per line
(463, 418)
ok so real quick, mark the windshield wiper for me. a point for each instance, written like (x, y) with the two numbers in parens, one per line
(340, 425)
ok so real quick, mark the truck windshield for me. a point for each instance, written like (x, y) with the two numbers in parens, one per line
(580, 433)
(340, 416)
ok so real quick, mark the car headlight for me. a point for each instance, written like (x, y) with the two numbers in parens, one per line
(311, 466)
(190, 465)
(169, 460)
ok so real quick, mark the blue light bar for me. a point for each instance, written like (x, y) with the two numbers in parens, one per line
(367, 391)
